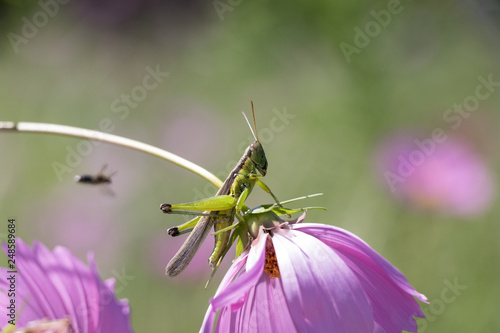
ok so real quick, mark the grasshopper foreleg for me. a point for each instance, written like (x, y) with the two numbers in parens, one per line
(268, 190)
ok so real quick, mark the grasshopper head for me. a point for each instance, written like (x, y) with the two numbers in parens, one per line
(258, 157)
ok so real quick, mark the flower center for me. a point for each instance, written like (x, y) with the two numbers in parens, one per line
(46, 325)
(271, 266)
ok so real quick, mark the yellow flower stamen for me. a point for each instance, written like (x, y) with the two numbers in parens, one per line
(271, 266)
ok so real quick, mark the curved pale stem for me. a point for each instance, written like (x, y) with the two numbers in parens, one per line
(109, 138)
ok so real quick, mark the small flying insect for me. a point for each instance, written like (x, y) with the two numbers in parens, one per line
(220, 210)
(99, 178)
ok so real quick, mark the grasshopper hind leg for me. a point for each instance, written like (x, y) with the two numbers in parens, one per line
(183, 228)
(187, 251)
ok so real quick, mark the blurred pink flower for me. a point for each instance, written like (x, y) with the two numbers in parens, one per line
(82, 219)
(54, 289)
(312, 278)
(444, 176)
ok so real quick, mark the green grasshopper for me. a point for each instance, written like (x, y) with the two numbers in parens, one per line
(220, 209)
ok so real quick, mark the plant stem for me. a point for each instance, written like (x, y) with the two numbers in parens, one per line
(109, 138)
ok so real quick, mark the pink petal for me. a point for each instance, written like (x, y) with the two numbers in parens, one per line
(231, 292)
(113, 313)
(265, 310)
(74, 284)
(208, 321)
(347, 242)
(41, 296)
(55, 285)
(388, 290)
(234, 270)
(322, 292)
(245, 281)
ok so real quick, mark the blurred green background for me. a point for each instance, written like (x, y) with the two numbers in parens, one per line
(321, 114)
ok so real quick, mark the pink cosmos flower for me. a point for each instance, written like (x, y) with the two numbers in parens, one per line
(312, 278)
(55, 290)
(447, 177)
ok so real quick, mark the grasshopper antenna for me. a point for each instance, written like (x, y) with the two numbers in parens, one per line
(248, 122)
(254, 123)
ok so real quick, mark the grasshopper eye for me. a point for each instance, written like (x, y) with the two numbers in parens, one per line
(258, 157)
